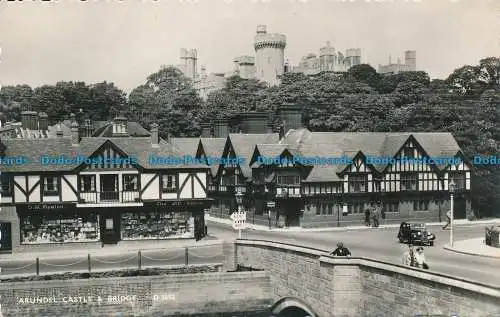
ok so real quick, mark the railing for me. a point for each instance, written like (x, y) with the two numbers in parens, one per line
(106, 197)
(209, 254)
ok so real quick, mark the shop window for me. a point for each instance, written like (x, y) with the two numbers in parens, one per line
(50, 186)
(156, 225)
(420, 205)
(130, 182)
(169, 183)
(409, 181)
(358, 183)
(7, 184)
(391, 207)
(87, 183)
(355, 208)
(59, 228)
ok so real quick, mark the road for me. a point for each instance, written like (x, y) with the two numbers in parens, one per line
(381, 244)
(106, 261)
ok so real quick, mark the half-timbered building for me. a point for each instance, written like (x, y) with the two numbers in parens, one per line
(101, 189)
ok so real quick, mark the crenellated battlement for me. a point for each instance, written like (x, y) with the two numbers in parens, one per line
(274, 40)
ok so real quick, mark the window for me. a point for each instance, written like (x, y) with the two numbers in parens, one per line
(50, 186)
(408, 181)
(420, 205)
(87, 183)
(7, 184)
(391, 207)
(169, 183)
(358, 183)
(356, 208)
(458, 178)
(131, 182)
(409, 152)
(288, 180)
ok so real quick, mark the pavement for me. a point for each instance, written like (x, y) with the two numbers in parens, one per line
(475, 247)
(458, 222)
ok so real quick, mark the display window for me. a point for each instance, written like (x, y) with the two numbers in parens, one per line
(157, 225)
(59, 228)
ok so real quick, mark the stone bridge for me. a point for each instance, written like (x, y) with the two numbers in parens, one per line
(307, 282)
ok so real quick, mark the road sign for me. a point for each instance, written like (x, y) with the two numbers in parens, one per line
(271, 204)
(239, 220)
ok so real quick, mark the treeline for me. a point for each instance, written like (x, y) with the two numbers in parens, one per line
(466, 104)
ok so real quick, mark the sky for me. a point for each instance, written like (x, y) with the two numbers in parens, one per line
(125, 41)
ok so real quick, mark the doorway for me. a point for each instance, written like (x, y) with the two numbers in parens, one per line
(109, 188)
(110, 228)
(460, 207)
(291, 210)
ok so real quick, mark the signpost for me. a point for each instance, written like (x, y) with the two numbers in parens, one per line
(239, 221)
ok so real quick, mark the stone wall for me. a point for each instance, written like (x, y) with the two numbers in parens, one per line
(173, 295)
(361, 287)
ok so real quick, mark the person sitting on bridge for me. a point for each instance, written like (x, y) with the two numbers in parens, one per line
(409, 257)
(341, 250)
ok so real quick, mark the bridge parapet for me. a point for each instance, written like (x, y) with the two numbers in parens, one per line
(363, 287)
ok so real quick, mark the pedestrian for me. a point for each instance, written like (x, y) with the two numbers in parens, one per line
(341, 250)
(367, 217)
(409, 257)
(375, 216)
(448, 219)
(420, 259)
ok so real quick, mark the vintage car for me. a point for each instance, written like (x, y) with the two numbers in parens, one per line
(415, 233)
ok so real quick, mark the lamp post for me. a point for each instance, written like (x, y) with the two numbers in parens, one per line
(451, 187)
(239, 202)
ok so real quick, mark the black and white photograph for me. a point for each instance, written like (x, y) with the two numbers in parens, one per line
(250, 158)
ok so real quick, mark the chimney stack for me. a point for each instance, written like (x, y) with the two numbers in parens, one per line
(221, 128)
(43, 121)
(291, 116)
(270, 124)
(206, 130)
(155, 139)
(75, 137)
(254, 122)
(59, 132)
(120, 126)
(28, 120)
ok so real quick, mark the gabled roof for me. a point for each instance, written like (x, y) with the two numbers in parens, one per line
(137, 147)
(271, 151)
(213, 147)
(381, 144)
(244, 145)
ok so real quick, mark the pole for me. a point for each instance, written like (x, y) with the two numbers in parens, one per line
(239, 227)
(451, 221)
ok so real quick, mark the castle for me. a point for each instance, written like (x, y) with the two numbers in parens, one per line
(269, 63)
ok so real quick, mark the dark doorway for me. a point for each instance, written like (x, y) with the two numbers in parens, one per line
(459, 206)
(199, 225)
(293, 311)
(291, 210)
(110, 228)
(109, 188)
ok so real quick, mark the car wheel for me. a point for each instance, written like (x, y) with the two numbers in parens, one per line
(431, 243)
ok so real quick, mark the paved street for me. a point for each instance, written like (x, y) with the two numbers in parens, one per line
(112, 260)
(381, 244)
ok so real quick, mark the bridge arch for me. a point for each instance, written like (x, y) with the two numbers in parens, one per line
(292, 307)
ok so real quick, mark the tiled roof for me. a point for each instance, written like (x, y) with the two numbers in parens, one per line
(187, 146)
(382, 144)
(213, 147)
(139, 148)
(244, 145)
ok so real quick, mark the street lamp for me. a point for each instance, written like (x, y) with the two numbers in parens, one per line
(239, 202)
(451, 187)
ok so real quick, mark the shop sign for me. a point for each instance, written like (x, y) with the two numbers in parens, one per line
(47, 206)
(179, 203)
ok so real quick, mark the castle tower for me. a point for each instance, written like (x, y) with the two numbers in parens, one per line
(269, 55)
(353, 57)
(327, 58)
(411, 60)
(245, 66)
(183, 60)
(191, 64)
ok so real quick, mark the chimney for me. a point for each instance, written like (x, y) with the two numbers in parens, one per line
(206, 130)
(34, 120)
(75, 137)
(120, 126)
(25, 119)
(270, 124)
(291, 116)
(59, 132)
(254, 122)
(221, 129)
(155, 139)
(43, 121)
